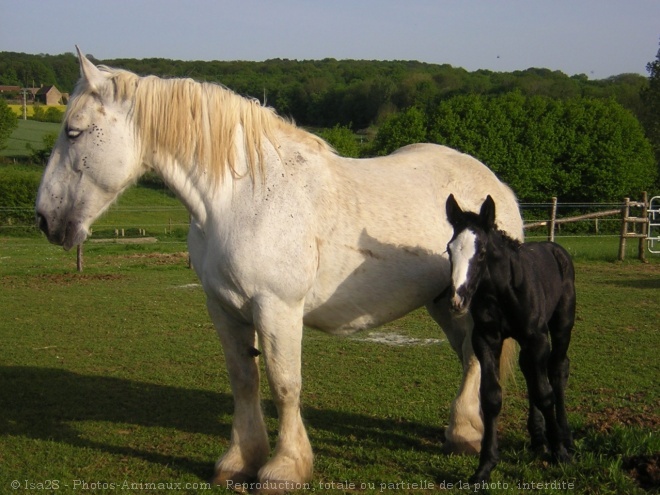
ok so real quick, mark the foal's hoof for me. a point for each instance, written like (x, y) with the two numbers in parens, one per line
(461, 448)
(234, 480)
(561, 456)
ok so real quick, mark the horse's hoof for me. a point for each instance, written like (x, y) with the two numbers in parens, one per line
(478, 479)
(540, 449)
(461, 448)
(561, 456)
(235, 480)
(278, 487)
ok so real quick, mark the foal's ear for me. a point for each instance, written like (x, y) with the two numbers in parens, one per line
(89, 72)
(487, 213)
(454, 212)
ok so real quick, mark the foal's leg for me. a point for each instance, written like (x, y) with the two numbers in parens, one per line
(558, 370)
(248, 448)
(280, 333)
(488, 348)
(534, 356)
(465, 430)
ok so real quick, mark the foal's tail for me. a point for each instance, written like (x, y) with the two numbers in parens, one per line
(508, 361)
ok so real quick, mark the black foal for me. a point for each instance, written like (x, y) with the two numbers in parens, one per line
(525, 291)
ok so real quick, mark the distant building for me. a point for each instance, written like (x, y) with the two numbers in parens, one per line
(49, 95)
(10, 89)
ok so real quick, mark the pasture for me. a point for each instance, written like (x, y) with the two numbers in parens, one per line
(28, 132)
(115, 378)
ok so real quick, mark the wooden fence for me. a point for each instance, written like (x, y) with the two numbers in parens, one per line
(624, 213)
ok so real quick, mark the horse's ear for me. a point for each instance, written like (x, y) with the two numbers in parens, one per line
(487, 213)
(454, 212)
(89, 72)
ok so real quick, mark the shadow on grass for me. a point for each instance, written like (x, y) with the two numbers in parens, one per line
(45, 404)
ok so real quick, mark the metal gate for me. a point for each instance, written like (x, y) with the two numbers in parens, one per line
(653, 232)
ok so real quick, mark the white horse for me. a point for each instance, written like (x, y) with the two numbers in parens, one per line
(284, 233)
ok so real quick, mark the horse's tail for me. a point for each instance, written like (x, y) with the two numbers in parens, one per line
(508, 361)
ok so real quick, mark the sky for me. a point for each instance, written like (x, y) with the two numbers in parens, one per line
(599, 38)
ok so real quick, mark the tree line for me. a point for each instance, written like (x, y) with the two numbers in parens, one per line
(544, 133)
(323, 93)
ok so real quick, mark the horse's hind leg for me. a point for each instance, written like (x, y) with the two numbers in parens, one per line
(534, 357)
(280, 333)
(465, 430)
(558, 370)
(536, 428)
(248, 448)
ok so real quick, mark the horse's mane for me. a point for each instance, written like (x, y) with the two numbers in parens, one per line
(196, 122)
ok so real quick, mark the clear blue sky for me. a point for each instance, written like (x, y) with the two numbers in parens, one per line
(599, 38)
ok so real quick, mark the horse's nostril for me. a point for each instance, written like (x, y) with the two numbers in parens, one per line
(42, 223)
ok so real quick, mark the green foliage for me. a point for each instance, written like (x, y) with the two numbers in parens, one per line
(578, 149)
(407, 127)
(342, 140)
(50, 114)
(8, 122)
(650, 97)
(18, 193)
(323, 93)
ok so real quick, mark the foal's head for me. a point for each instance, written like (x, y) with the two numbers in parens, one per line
(467, 250)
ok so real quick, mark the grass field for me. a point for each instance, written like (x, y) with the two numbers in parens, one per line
(28, 132)
(115, 376)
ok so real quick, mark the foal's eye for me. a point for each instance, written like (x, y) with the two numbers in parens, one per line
(73, 133)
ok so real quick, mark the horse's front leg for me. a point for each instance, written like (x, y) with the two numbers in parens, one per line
(465, 430)
(280, 332)
(488, 348)
(248, 448)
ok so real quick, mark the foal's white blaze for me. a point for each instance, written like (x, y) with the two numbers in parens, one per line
(462, 250)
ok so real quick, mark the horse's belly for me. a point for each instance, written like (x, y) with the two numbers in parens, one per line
(375, 292)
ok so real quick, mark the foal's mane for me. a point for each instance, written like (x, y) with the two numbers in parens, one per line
(196, 122)
(508, 242)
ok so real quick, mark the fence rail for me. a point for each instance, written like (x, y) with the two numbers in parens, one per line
(617, 220)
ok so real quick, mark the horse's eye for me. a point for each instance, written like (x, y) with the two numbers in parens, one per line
(73, 133)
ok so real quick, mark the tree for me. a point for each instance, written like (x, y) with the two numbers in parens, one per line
(8, 122)
(342, 140)
(407, 127)
(651, 115)
(578, 149)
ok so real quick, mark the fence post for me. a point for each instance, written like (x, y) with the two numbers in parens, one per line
(553, 220)
(641, 249)
(625, 211)
(79, 257)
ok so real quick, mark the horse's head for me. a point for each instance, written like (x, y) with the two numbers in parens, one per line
(94, 159)
(467, 250)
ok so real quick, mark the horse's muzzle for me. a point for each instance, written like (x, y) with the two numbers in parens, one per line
(55, 234)
(42, 223)
(457, 304)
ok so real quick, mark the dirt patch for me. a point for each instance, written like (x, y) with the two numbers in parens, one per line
(58, 279)
(645, 469)
(158, 258)
(637, 415)
(603, 421)
(125, 240)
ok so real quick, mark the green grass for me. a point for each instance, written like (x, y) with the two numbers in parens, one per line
(115, 375)
(28, 132)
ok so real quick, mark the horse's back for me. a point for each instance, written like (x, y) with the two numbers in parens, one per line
(383, 232)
